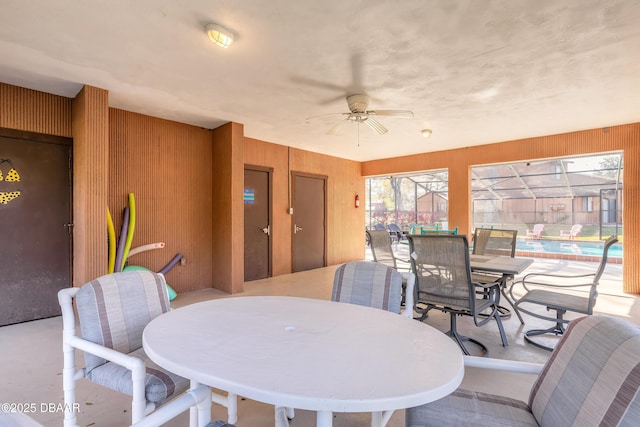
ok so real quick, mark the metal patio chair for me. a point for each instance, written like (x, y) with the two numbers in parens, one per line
(382, 250)
(558, 293)
(493, 241)
(443, 282)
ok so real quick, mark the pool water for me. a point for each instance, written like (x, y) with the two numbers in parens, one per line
(573, 247)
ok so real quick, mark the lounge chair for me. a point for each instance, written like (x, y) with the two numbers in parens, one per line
(536, 233)
(573, 233)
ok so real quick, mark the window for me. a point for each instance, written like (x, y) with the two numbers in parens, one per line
(558, 192)
(405, 200)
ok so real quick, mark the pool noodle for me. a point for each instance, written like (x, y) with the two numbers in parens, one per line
(112, 242)
(171, 264)
(170, 291)
(144, 248)
(123, 232)
(132, 226)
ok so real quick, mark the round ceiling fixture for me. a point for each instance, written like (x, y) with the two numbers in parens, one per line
(219, 35)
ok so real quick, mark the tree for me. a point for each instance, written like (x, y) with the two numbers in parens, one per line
(608, 166)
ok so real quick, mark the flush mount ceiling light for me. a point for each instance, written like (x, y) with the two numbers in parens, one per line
(219, 35)
(426, 133)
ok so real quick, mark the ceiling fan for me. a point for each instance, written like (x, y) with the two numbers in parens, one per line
(358, 113)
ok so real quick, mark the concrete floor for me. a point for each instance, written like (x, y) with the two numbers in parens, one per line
(31, 356)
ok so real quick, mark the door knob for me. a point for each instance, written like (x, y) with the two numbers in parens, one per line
(266, 230)
(296, 228)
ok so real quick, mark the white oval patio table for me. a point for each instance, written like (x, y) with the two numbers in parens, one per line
(307, 354)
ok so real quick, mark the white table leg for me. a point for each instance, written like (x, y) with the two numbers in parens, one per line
(200, 415)
(376, 419)
(324, 419)
(380, 419)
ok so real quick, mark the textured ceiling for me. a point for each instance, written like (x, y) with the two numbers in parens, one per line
(473, 71)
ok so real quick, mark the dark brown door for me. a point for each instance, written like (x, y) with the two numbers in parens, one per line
(257, 228)
(309, 224)
(35, 217)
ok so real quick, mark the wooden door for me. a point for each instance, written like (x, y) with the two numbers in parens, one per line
(257, 224)
(35, 224)
(309, 222)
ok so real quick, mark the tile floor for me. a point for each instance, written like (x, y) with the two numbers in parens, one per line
(31, 356)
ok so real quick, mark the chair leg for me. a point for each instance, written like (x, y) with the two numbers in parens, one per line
(423, 312)
(138, 399)
(515, 309)
(557, 330)
(69, 386)
(453, 333)
(503, 336)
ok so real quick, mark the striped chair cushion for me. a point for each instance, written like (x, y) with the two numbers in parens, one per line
(368, 283)
(114, 309)
(592, 377)
(471, 409)
(160, 385)
(219, 424)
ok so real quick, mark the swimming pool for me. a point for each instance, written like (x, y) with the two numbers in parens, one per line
(568, 247)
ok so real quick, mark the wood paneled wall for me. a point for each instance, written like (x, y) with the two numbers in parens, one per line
(345, 223)
(168, 168)
(90, 162)
(34, 111)
(228, 212)
(624, 138)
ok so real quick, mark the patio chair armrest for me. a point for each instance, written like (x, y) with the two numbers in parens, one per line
(527, 277)
(503, 365)
(408, 299)
(486, 285)
(167, 412)
(526, 281)
(134, 364)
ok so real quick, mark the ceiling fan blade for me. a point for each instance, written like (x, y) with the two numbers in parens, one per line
(407, 114)
(318, 84)
(334, 130)
(326, 115)
(375, 125)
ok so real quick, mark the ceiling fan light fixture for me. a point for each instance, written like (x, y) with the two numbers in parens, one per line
(219, 35)
(426, 133)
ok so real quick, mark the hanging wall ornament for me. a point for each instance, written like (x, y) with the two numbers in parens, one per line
(11, 176)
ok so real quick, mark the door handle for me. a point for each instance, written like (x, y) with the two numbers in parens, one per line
(266, 230)
(296, 228)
